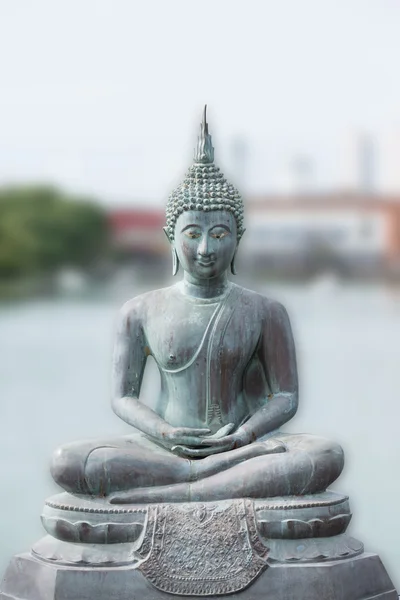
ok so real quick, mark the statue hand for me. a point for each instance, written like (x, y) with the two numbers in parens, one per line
(185, 436)
(222, 432)
(212, 445)
(230, 442)
(227, 442)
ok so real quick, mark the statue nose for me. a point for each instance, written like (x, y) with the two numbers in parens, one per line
(203, 249)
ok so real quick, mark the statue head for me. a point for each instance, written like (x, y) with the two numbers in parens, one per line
(204, 215)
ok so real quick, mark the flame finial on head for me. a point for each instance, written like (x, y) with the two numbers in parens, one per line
(204, 152)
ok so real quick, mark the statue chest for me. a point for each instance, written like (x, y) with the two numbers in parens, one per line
(194, 335)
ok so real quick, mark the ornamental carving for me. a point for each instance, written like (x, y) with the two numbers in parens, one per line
(203, 550)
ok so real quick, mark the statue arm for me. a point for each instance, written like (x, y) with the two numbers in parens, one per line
(277, 355)
(130, 355)
(128, 367)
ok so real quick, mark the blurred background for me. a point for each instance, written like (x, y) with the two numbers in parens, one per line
(100, 106)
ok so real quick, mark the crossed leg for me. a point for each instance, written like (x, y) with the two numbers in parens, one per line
(133, 469)
(309, 465)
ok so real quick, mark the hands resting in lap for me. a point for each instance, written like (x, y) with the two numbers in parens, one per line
(198, 443)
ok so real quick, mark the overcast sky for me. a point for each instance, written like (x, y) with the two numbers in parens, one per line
(105, 96)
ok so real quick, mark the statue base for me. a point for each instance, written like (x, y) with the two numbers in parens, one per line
(360, 578)
(274, 548)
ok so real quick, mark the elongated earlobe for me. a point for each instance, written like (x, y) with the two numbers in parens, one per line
(233, 266)
(175, 261)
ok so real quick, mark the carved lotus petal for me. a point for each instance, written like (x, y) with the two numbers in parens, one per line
(342, 549)
(318, 527)
(87, 533)
(92, 534)
(295, 528)
(355, 545)
(314, 552)
(314, 549)
(285, 529)
(326, 548)
(121, 532)
(64, 530)
(337, 524)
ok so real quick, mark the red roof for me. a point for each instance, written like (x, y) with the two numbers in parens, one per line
(133, 218)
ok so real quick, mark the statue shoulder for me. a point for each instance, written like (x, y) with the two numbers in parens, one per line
(272, 317)
(265, 305)
(138, 307)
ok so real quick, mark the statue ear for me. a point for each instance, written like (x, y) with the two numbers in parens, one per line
(233, 266)
(175, 259)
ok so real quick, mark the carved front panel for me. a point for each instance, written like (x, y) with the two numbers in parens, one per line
(203, 550)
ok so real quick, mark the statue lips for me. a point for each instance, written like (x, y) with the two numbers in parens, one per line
(203, 263)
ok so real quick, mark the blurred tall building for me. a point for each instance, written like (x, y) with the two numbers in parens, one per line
(367, 160)
(302, 170)
(359, 163)
(390, 168)
(240, 162)
(295, 176)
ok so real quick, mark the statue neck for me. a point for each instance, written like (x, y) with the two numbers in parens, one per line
(205, 288)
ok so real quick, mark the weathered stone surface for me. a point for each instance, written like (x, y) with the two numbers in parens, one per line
(89, 555)
(360, 578)
(100, 555)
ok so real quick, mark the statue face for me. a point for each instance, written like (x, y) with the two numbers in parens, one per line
(205, 242)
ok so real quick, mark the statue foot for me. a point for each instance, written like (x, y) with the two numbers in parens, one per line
(201, 470)
(179, 492)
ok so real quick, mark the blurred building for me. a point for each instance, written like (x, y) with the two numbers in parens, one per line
(137, 230)
(390, 164)
(350, 234)
(360, 163)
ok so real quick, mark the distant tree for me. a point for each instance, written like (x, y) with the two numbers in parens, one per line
(43, 229)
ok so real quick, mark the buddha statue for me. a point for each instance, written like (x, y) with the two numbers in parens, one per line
(227, 364)
(206, 496)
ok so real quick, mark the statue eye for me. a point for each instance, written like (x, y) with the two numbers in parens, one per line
(218, 235)
(192, 234)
